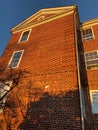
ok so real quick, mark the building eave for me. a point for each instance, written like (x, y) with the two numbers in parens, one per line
(58, 13)
(89, 23)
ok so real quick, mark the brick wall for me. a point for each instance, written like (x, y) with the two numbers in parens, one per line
(49, 98)
(92, 45)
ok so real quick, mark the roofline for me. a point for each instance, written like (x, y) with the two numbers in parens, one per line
(89, 23)
(47, 10)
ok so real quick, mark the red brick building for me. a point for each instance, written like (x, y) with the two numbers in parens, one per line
(59, 90)
(89, 31)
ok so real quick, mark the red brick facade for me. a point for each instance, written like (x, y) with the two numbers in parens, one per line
(89, 46)
(49, 96)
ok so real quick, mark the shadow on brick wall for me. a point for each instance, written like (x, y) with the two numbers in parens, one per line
(60, 112)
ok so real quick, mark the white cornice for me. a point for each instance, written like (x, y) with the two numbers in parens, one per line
(89, 23)
(57, 13)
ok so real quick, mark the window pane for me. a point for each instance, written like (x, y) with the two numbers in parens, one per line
(87, 34)
(95, 97)
(17, 55)
(95, 108)
(94, 102)
(25, 36)
(15, 59)
(14, 63)
(91, 60)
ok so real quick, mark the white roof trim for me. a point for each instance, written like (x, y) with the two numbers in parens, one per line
(89, 23)
(56, 12)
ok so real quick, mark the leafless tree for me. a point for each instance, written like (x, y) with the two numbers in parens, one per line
(9, 80)
(11, 85)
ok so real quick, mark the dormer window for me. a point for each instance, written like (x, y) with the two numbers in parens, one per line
(24, 36)
(87, 34)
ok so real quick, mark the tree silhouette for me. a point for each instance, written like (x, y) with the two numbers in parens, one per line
(35, 109)
(9, 101)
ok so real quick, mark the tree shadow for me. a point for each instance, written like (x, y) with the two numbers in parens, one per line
(53, 112)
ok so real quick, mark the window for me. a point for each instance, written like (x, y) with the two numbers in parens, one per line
(41, 18)
(15, 60)
(24, 36)
(87, 34)
(4, 88)
(94, 100)
(91, 60)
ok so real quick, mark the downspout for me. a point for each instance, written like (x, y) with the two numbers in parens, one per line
(78, 69)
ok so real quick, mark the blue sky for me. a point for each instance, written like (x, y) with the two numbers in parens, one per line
(12, 12)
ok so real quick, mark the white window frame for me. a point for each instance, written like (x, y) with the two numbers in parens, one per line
(88, 38)
(93, 66)
(22, 35)
(94, 109)
(18, 61)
